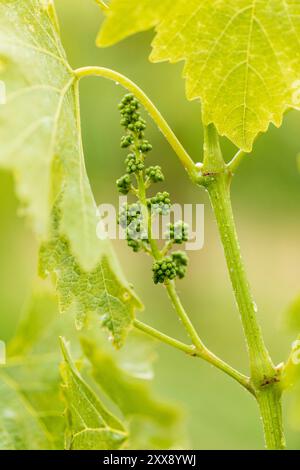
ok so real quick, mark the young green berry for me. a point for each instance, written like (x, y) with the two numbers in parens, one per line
(130, 213)
(133, 164)
(180, 259)
(129, 98)
(124, 184)
(179, 232)
(160, 203)
(135, 245)
(126, 141)
(144, 146)
(155, 174)
(125, 122)
(140, 125)
(164, 270)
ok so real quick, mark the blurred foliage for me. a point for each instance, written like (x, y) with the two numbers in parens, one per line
(49, 401)
(266, 196)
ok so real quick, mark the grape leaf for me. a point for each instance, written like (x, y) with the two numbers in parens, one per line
(31, 410)
(41, 144)
(242, 58)
(125, 18)
(91, 426)
(154, 424)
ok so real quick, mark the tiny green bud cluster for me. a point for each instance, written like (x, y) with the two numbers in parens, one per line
(164, 270)
(160, 203)
(181, 260)
(155, 174)
(170, 267)
(134, 140)
(178, 232)
(131, 217)
(133, 164)
(124, 184)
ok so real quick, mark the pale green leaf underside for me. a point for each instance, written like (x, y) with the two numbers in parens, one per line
(154, 424)
(242, 57)
(91, 426)
(41, 144)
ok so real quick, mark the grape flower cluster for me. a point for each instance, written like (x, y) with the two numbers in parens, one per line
(167, 265)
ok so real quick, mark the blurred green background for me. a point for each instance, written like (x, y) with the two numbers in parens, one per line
(266, 197)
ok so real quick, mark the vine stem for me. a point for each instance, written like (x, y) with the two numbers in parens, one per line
(193, 351)
(199, 348)
(236, 161)
(162, 124)
(264, 375)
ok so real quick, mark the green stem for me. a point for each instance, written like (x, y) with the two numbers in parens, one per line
(162, 124)
(263, 372)
(193, 351)
(260, 361)
(270, 406)
(185, 319)
(149, 330)
(236, 161)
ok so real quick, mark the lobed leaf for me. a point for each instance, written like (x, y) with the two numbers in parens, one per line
(41, 144)
(154, 424)
(242, 57)
(91, 426)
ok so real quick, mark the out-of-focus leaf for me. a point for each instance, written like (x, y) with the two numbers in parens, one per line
(242, 58)
(293, 315)
(31, 406)
(291, 371)
(38, 315)
(20, 426)
(41, 144)
(154, 424)
(90, 425)
(127, 17)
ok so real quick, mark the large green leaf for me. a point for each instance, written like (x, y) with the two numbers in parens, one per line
(293, 315)
(91, 426)
(41, 144)
(242, 57)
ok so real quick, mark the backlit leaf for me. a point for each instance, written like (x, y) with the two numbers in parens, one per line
(154, 424)
(41, 144)
(31, 409)
(242, 57)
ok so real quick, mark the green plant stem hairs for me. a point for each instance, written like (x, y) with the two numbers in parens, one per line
(215, 176)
